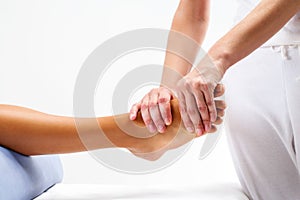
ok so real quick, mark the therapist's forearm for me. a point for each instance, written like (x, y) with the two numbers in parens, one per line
(259, 26)
(191, 19)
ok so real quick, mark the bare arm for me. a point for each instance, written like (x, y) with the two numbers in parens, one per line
(187, 33)
(31, 132)
(260, 25)
(191, 19)
(194, 91)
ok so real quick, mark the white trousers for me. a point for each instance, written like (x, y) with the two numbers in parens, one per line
(263, 122)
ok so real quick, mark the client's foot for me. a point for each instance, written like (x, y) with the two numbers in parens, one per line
(154, 147)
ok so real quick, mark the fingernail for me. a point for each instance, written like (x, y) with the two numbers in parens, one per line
(199, 132)
(167, 122)
(213, 118)
(161, 128)
(131, 117)
(191, 130)
(207, 127)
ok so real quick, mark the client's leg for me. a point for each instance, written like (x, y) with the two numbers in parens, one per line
(33, 133)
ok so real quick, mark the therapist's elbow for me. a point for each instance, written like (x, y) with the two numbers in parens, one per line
(194, 10)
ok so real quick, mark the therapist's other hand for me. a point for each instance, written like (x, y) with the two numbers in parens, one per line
(160, 109)
(195, 93)
(155, 109)
(154, 147)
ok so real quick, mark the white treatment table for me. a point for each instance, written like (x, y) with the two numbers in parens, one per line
(217, 191)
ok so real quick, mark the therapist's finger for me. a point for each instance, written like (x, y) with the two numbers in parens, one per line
(220, 104)
(134, 110)
(213, 129)
(155, 113)
(146, 116)
(165, 107)
(209, 102)
(220, 112)
(194, 114)
(219, 90)
(201, 106)
(183, 113)
(218, 121)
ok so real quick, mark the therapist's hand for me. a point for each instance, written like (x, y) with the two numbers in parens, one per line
(195, 93)
(161, 106)
(155, 109)
(152, 148)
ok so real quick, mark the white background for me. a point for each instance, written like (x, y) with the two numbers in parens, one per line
(43, 44)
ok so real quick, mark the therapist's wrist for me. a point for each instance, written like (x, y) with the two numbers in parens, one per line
(221, 58)
(209, 69)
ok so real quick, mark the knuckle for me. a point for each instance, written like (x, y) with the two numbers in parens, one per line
(204, 85)
(135, 106)
(147, 121)
(144, 107)
(187, 82)
(153, 91)
(166, 90)
(206, 121)
(202, 108)
(152, 105)
(209, 103)
(163, 100)
(196, 85)
(212, 113)
(200, 125)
